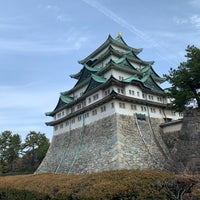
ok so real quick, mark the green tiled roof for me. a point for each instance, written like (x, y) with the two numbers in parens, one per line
(149, 82)
(148, 70)
(121, 67)
(85, 73)
(95, 81)
(63, 100)
(125, 63)
(131, 53)
(90, 77)
(118, 41)
(131, 78)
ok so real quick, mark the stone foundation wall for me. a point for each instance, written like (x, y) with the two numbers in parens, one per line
(184, 145)
(115, 142)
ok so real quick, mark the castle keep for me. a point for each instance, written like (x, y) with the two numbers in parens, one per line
(110, 118)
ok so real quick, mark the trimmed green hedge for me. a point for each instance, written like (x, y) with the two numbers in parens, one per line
(112, 185)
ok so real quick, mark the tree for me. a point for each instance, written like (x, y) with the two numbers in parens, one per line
(35, 148)
(185, 80)
(178, 187)
(10, 147)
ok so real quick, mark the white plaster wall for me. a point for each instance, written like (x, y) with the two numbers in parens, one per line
(172, 128)
(111, 108)
(85, 120)
(104, 62)
(108, 74)
(78, 92)
(136, 65)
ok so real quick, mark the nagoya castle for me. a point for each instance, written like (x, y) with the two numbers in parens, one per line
(111, 118)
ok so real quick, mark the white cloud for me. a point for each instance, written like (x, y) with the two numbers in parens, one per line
(49, 45)
(63, 18)
(195, 20)
(23, 108)
(26, 97)
(150, 42)
(180, 21)
(113, 16)
(52, 7)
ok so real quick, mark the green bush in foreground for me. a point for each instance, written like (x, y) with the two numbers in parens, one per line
(112, 185)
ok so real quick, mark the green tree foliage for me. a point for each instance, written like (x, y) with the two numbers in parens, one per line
(10, 148)
(185, 80)
(18, 156)
(35, 148)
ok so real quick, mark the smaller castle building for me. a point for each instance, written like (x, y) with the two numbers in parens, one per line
(110, 118)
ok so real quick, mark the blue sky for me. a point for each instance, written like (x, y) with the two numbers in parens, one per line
(41, 42)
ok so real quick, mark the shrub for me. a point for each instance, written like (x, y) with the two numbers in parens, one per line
(112, 185)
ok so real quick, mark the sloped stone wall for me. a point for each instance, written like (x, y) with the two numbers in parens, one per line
(115, 142)
(184, 145)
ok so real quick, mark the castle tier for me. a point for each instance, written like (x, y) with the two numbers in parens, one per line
(110, 119)
(113, 79)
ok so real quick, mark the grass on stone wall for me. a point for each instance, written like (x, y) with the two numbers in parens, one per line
(111, 185)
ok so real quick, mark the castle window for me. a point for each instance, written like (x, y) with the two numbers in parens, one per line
(133, 107)
(61, 125)
(79, 118)
(67, 123)
(144, 96)
(94, 112)
(121, 105)
(103, 108)
(86, 114)
(55, 128)
(73, 121)
(120, 91)
(138, 93)
(84, 103)
(121, 78)
(95, 97)
(107, 92)
(143, 108)
(89, 100)
(79, 106)
(159, 99)
(112, 105)
(73, 109)
(150, 97)
(131, 92)
(59, 115)
(153, 110)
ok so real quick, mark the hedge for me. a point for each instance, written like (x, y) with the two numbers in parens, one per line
(109, 185)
